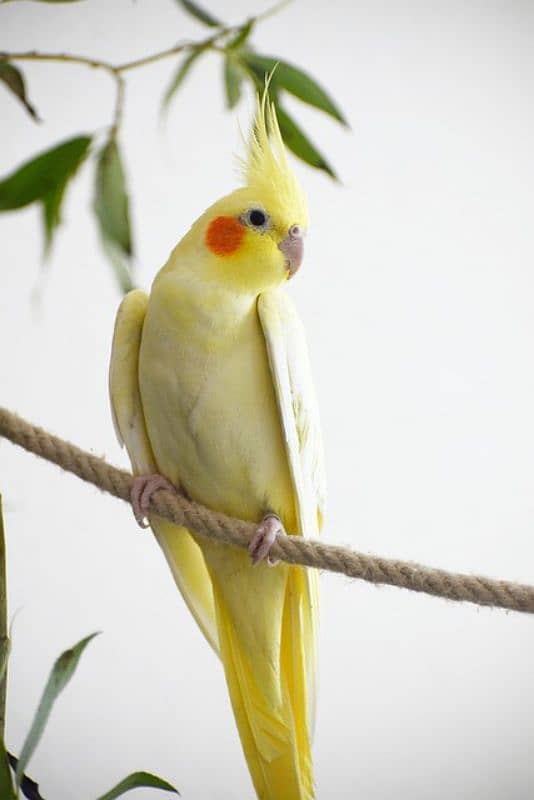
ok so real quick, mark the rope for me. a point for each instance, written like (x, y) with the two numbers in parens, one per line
(291, 549)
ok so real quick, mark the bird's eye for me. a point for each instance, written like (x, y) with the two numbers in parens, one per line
(257, 218)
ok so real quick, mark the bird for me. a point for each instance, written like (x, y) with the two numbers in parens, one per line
(212, 395)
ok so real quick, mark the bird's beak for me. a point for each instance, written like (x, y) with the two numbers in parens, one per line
(293, 249)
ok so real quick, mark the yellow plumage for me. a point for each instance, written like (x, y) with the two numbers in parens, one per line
(210, 387)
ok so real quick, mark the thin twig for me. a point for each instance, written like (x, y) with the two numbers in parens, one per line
(119, 104)
(126, 66)
(270, 12)
(67, 58)
(160, 56)
(116, 70)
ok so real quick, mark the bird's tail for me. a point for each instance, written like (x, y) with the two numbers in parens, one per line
(275, 735)
(262, 622)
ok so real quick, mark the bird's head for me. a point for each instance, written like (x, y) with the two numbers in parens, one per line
(252, 240)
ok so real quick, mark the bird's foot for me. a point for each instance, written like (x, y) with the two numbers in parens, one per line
(264, 538)
(143, 487)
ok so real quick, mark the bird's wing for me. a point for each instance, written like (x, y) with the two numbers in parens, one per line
(182, 552)
(288, 359)
(126, 407)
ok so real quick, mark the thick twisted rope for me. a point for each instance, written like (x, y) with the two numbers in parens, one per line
(292, 549)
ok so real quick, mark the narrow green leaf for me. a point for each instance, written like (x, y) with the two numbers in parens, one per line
(298, 142)
(111, 202)
(43, 174)
(200, 13)
(233, 79)
(138, 780)
(6, 784)
(111, 207)
(295, 81)
(242, 35)
(44, 179)
(14, 80)
(61, 673)
(51, 207)
(180, 75)
(121, 265)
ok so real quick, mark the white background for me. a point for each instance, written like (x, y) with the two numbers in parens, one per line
(417, 295)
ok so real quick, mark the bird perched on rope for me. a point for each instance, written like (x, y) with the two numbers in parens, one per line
(211, 392)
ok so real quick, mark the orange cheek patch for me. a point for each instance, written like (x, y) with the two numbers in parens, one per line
(224, 236)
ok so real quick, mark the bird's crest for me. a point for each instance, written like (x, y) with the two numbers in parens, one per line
(266, 169)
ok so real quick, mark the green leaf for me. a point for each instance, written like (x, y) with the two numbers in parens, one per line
(298, 142)
(180, 75)
(61, 673)
(233, 79)
(201, 14)
(295, 81)
(51, 204)
(44, 180)
(121, 266)
(14, 80)
(111, 207)
(242, 35)
(111, 203)
(43, 174)
(138, 780)
(6, 784)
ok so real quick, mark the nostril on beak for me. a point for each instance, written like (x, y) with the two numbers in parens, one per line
(292, 247)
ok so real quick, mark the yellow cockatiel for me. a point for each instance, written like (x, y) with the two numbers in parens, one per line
(210, 387)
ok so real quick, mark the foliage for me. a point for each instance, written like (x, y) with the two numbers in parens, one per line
(14, 80)
(62, 671)
(44, 179)
(138, 780)
(111, 206)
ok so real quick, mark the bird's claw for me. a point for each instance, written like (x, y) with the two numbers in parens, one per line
(143, 487)
(264, 538)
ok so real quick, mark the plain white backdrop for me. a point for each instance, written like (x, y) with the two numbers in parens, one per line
(417, 295)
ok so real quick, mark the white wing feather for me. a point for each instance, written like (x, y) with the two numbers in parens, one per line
(289, 363)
